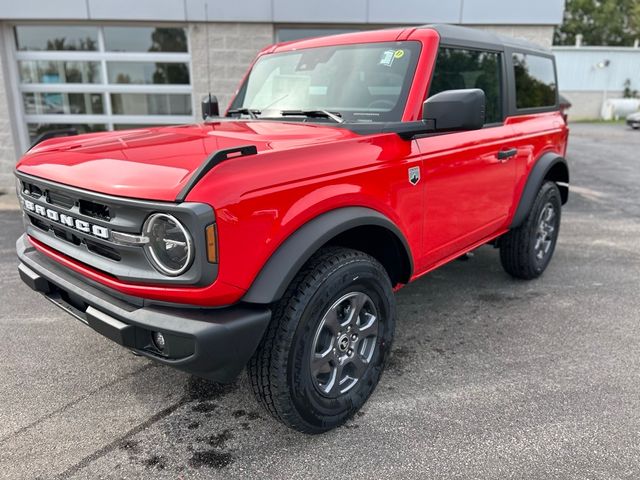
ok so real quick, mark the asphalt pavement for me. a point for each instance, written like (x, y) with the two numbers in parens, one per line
(490, 377)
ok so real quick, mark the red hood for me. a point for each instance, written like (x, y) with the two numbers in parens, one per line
(155, 163)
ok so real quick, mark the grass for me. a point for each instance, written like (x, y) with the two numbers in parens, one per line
(620, 121)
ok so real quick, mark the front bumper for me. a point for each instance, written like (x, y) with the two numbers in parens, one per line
(211, 343)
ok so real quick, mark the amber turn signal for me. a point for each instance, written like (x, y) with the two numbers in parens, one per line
(212, 243)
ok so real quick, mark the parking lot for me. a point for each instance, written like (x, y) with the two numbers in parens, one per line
(490, 378)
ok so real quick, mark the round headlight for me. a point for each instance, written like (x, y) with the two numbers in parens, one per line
(170, 246)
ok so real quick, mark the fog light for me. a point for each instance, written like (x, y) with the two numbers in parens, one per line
(158, 340)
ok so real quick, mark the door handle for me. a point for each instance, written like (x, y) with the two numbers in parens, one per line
(505, 155)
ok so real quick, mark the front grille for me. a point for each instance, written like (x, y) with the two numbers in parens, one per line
(68, 236)
(94, 210)
(57, 198)
(32, 190)
(60, 199)
(79, 224)
(77, 208)
(39, 223)
(103, 250)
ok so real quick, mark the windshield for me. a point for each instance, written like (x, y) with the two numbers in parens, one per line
(361, 83)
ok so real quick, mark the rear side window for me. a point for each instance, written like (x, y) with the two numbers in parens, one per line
(457, 68)
(535, 81)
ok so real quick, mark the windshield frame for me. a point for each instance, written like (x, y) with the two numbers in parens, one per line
(394, 115)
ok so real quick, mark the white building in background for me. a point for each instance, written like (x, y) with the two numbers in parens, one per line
(112, 64)
(588, 76)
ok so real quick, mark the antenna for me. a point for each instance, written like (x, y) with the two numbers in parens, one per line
(206, 19)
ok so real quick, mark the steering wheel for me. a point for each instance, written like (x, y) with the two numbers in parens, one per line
(382, 104)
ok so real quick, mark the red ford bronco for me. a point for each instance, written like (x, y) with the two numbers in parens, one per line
(274, 236)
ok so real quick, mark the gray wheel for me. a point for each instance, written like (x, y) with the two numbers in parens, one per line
(526, 250)
(343, 344)
(546, 232)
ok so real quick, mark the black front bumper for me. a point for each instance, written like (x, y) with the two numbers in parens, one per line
(210, 343)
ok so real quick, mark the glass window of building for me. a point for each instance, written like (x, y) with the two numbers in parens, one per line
(148, 73)
(61, 37)
(95, 78)
(145, 39)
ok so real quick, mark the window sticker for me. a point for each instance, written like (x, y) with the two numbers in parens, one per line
(387, 58)
(398, 54)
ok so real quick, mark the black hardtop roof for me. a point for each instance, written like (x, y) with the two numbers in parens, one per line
(457, 35)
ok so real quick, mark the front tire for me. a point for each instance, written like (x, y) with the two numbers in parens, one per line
(525, 251)
(328, 341)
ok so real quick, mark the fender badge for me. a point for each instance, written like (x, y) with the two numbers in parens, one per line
(414, 175)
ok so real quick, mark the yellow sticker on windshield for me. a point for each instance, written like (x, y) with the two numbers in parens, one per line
(399, 54)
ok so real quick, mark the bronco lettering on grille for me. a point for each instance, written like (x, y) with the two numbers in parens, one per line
(66, 220)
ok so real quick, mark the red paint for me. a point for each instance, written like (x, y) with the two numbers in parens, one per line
(155, 163)
(190, 295)
(465, 196)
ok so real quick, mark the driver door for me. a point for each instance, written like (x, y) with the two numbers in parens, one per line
(469, 176)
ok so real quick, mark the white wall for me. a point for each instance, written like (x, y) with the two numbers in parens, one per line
(586, 105)
(578, 68)
(586, 84)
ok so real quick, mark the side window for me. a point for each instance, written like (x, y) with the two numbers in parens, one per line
(535, 81)
(457, 68)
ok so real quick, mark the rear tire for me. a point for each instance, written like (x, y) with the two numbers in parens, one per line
(328, 342)
(525, 251)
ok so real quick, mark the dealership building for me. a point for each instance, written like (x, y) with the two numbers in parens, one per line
(98, 65)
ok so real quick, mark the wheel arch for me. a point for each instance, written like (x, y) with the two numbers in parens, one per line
(550, 166)
(359, 228)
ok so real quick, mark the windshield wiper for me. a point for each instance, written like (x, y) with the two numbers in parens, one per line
(336, 117)
(253, 113)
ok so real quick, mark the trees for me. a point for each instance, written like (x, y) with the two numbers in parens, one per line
(601, 22)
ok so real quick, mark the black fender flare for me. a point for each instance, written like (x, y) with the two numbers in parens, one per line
(540, 171)
(277, 273)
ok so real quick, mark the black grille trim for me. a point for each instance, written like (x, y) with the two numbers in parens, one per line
(59, 199)
(124, 262)
(94, 210)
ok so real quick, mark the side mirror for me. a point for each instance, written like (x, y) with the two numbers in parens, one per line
(210, 107)
(455, 110)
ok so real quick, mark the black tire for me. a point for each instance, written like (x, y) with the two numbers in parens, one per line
(280, 371)
(520, 252)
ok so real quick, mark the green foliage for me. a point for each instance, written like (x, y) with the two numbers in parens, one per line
(601, 22)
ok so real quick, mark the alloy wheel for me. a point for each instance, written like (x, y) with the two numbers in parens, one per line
(545, 232)
(344, 344)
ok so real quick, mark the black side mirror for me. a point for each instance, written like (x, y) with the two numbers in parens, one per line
(455, 110)
(210, 107)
